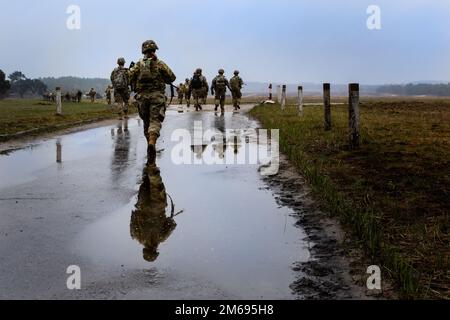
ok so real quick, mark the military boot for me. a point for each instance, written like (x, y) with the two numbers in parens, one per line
(151, 150)
(217, 106)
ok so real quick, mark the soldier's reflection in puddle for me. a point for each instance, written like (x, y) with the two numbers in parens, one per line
(120, 159)
(150, 225)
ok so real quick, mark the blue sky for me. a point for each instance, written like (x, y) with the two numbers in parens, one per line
(268, 40)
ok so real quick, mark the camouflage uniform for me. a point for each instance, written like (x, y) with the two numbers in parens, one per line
(187, 92)
(219, 88)
(92, 95)
(236, 84)
(198, 84)
(205, 93)
(149, 77)
(121, 87)
(180, 93)
(149, 223)
(108, 95)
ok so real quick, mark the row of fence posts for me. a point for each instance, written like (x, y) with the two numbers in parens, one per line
(353, 108)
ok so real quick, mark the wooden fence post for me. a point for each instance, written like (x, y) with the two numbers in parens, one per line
(327, 106)
(300, 100)
(58, 101)
(353, 115)
(270, 91)
(283, 97)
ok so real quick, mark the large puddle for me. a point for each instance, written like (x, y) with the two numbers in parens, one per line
(215, 223)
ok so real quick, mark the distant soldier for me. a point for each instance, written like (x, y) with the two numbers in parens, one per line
(108, 94)
(52, 97)
(219, 89)
(92, 95)
(180, 93)
(121, 84)
(67, 97)
(149, 78)
(187, 92)
(236, 85)
(205, 93)
(79, 96)
(197, 86)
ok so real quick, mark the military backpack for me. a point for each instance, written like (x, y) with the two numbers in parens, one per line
(120, 79)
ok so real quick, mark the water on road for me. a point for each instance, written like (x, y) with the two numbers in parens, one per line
(182, 231)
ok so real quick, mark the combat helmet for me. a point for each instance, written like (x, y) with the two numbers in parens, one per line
(121, 61)
(221, 71)
(149, 45)
(199, 71)
(236, 72)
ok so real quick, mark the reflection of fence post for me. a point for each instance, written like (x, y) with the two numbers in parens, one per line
(327, 106)
(283, 98)
(58, 151)
(300, 100)
(353, 115)
(270, 91)
(58, 101)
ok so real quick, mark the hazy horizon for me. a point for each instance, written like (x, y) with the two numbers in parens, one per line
(268, 41)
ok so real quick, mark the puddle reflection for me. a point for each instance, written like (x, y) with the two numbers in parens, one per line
(149, 224)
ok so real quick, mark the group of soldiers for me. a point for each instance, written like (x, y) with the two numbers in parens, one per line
(71, 97)
(148, 79)
(198, 88)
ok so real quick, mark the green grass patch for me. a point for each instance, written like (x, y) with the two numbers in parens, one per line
(393, 193)
(26, 114)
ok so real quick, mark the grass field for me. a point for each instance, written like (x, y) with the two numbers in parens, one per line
(22, 115)
(393, 193)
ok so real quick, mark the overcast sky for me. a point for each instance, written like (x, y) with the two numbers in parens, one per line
(268, 40)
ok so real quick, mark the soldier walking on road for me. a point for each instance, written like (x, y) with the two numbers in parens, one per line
(108, 94)
(187, 92)
(121, 84)
(180, 93)
(236, 85)
(149, 78)
(197, 87)
(219, 89)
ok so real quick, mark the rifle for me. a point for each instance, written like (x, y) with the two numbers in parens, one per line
(172, 92)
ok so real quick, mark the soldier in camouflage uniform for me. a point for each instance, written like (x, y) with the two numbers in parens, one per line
(205, 93)
(180, 93)
(197, 86)
(219, 89)
(149, 78)
(108, 95)
(149, 223)
(121, 84)
(236, 84)
(92, 95)
(187, 92)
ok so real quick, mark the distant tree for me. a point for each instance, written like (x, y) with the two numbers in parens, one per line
(21, 85)
(16, 76)
(5, 85)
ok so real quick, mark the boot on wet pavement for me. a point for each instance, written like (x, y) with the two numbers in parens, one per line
(215, 109)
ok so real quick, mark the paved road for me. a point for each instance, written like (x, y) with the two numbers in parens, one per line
(84, 199)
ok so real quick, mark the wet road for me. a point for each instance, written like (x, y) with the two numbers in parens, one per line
(84, 199)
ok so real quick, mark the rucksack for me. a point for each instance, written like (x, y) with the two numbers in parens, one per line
(220, 83)
(235, 83)
(120, 79)
(196, 82)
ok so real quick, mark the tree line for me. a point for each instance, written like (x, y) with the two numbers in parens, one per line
(441, 90)
(19, 85)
